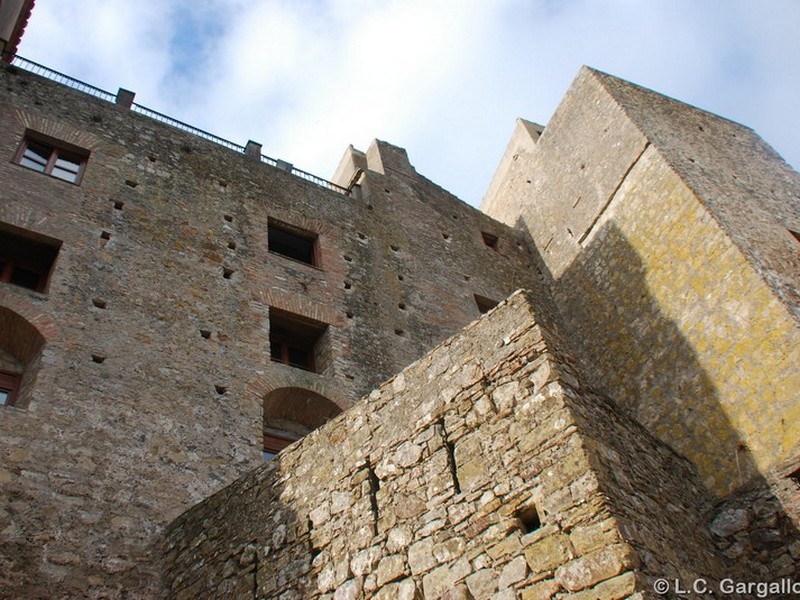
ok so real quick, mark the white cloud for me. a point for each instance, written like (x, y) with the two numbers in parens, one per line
(444, 79)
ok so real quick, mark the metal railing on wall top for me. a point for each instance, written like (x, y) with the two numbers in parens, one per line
(76, 84)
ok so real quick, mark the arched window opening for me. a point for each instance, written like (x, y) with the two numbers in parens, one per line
(20, 352)
(290, 413)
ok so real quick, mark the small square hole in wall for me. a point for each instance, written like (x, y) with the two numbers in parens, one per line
(228, 218)
(528, 518)
(227, 273)
(445, 236)
(99, 303)
(205, 334)
(118, 204)
(232, 245)
(220, 389)
(98, 358)
(131, 183)
(106, 235)
(399, 332)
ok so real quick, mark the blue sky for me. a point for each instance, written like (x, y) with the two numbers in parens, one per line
(444, 79)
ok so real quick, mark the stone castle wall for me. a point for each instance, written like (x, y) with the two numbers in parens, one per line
(494, 466)
(679, 320)
(148, 391)
(485, 470)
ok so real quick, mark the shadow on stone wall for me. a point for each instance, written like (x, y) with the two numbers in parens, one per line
(637, 356)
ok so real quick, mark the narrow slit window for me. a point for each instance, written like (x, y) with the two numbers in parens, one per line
(52, 158)
(292, 242)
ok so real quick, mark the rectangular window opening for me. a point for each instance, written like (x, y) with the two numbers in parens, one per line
(52, 157)
(26, 258)
(292, 242)
(294, 340)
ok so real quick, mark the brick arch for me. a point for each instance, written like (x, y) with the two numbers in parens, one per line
(24, 332)
(42, 323)
(58, 130)
(259, 388)
(303, 306)
(305, 409)
(303, 221)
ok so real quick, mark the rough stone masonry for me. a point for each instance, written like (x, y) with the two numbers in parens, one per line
(484, 470)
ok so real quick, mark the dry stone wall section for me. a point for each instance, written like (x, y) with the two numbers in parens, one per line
(480, 471)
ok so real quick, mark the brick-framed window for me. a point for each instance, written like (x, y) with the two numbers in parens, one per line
(293, 242)
(293, 339)
(52, 157)
(26, 258)
(9, 387)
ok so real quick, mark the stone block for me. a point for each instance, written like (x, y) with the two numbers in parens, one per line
(483, 583)
(597, 566)
(548, 553)
(390, 568)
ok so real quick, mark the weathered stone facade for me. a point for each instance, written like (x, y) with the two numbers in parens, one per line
(164, 274)
(631, 418)
(665, 232)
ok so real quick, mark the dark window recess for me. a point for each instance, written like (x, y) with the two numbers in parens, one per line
(293, 339)
(275, 443)
(52, 158)
(490, 240)
(484, 304)
(9, 386)
(292, 242)
(26, 259)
